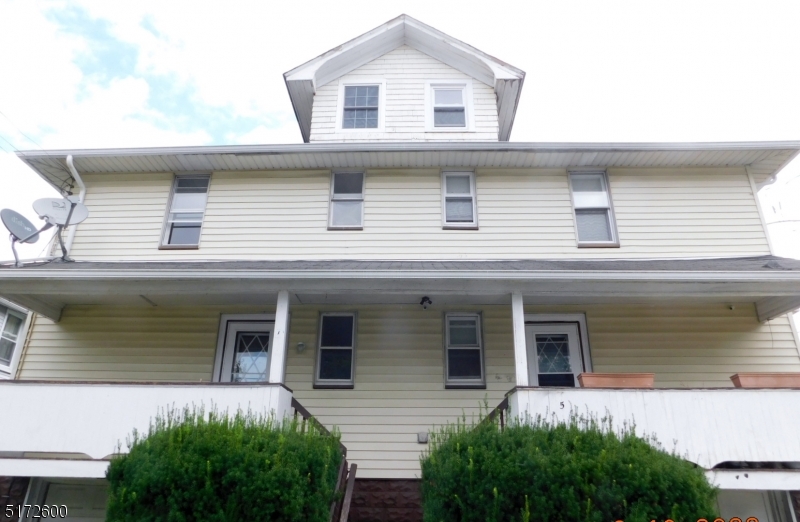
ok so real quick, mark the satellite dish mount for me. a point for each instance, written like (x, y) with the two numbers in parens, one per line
(56, 212)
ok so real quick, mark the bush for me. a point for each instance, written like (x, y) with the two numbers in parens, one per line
(197, 467)
(581, 470)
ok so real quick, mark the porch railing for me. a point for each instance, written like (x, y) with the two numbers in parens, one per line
(340, 508)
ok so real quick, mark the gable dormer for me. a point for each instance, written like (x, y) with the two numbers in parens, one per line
(405, 81)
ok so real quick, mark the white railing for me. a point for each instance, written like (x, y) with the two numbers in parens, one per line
(705, 426)
(91, 421)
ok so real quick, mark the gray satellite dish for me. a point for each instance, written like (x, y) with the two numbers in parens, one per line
(60, 211)
(21, 229)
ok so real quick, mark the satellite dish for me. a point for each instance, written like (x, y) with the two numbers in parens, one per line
(22, 229)
(60, 211)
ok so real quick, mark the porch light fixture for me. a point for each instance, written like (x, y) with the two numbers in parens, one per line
(301, 346)
(425, 302)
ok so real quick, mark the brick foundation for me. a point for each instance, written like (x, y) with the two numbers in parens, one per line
(12, 493)
(386, 500)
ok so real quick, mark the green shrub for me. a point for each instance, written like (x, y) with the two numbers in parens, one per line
(576, 471)
(197, 467)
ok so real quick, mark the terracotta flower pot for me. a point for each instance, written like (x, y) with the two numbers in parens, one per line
(616, 380)
(766, 380)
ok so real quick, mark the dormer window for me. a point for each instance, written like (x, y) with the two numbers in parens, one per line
(361, 106)
(449, 106)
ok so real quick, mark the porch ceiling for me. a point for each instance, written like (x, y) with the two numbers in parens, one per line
(772, 283)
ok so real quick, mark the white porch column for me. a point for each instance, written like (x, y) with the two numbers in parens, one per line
(280, 338)
(520, 347)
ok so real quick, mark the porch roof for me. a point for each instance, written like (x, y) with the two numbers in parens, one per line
(773, 283)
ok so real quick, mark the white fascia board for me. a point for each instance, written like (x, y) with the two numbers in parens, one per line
(505, 275)
(53, 468)
(755, 479)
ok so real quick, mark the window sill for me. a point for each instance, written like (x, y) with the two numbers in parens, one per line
(459, 227)
(345, 228)
(598, 245)
(465, 386)
(333, 386)
(179, 247)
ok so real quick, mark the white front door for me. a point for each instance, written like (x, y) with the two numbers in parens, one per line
(554, 354)
(246, 354)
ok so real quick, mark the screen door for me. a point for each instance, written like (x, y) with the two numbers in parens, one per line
(246, 356)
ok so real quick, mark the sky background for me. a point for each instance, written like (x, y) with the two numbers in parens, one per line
(86, 74)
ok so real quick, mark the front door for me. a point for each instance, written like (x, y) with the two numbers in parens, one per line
(554, 354)
(246, 354)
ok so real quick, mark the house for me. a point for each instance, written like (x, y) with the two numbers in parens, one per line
(402, 266)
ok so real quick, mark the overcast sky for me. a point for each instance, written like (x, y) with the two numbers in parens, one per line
(88, 74)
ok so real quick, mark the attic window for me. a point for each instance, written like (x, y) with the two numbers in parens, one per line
(449, 106)
(361, 107)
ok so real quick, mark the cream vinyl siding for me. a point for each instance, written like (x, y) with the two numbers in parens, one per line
(685, 345)
(405, 70)
(522, 213)
(399, 373)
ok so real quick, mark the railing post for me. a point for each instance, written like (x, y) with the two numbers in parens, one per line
(520, 346)
(280, 337)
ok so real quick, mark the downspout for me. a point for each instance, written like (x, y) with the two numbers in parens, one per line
(81, 196)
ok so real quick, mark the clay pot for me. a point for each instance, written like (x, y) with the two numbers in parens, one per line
(766, 380)
(616, 380)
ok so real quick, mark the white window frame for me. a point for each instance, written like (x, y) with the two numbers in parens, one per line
(614, 243)
(346, 197)
(469, 116)
(473, 225)
(224, 321)
(583, 332)
(362, 82)
(165, 230)
(10, 371)
(336, 383)
(463, 383)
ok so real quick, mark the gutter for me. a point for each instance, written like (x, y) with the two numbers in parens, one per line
(81, 196)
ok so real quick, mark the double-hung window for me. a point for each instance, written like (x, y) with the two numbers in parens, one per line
(186, 209)
(361, 108)
(336, 352)
(11, 339)
(347, 200)
(463, 351)
(449, 106)
(594, 214)
(458, 200)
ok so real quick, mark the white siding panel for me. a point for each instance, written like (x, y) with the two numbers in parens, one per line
(523, 213)
(405, 70)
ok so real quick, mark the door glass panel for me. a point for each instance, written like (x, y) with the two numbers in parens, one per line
(552, 352)
(251, 358)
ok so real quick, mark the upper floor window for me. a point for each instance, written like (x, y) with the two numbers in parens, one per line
(336, 353)
(458, 200)
(347, 200)
(11, 339)
(594, 214)
(361, 105)
(463, 350)
(449, 106)
(186, 209)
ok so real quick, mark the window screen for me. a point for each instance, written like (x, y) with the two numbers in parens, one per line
(347, 200)
(593, 212)
(186, 210)
(463, 349)
(459, 199)
(449, 108)
(336, 345)
(361, 107)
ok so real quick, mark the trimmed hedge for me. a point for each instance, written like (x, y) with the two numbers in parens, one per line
(197, 467)
(577, 471)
